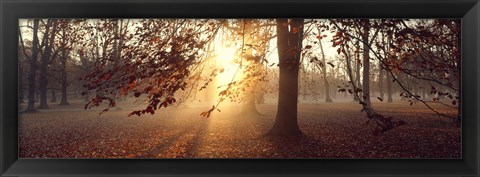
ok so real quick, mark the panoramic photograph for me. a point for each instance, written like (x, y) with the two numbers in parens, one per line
(239, 88)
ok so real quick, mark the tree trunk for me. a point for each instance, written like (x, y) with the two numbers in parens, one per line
(64, 101)
(54, 96)
(380, 80)
(357, 70)
(33, 67)
(366, 64)
(324, 71)
(289, 43)
(389, 88)
(305, 79)
(44, 61)
(63, 59)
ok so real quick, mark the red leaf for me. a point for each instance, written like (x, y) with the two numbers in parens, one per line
(137, 94)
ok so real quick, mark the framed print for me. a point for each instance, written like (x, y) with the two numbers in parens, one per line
(239, 88)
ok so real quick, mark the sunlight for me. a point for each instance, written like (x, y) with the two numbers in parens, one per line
(226, 59)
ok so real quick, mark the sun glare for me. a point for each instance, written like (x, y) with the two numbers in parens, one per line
(226, 59)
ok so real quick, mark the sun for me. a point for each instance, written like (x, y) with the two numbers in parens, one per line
(225, 59)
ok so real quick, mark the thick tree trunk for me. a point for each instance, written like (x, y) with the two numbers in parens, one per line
(33, 67)
(63, 60)
(289, 43)
(64, 101)
(44, 61)
(366, 64)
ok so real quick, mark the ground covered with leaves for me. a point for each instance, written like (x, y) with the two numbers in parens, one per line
(336, 130)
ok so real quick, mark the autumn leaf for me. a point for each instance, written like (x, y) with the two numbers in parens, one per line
(294, 30)
(137, 94)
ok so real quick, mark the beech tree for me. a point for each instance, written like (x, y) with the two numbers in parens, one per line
(157, 63)
(33, 63)
(289, 43)
(45, 60)
(161, 57)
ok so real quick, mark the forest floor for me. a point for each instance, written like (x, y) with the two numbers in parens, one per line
(335, 130)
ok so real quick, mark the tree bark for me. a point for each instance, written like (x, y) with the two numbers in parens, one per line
(44, 61)
(63, 60)
(324, 72)
(389, 88)
(289, 43)
(33, 67)
(357, 69)
(366, 64)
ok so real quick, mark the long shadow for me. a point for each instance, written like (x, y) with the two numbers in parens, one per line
(155, 151)
(197, 141)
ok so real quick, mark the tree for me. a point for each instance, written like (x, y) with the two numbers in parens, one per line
(157, 62)
(289, 43)
(33, 65)
(254, 36)
(324, 71)
(249, 108)
(68, 36)
(161, 57)
(45, 60)
(366, 63)
(64, 43)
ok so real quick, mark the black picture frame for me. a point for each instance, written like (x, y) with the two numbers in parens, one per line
(12, 10)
